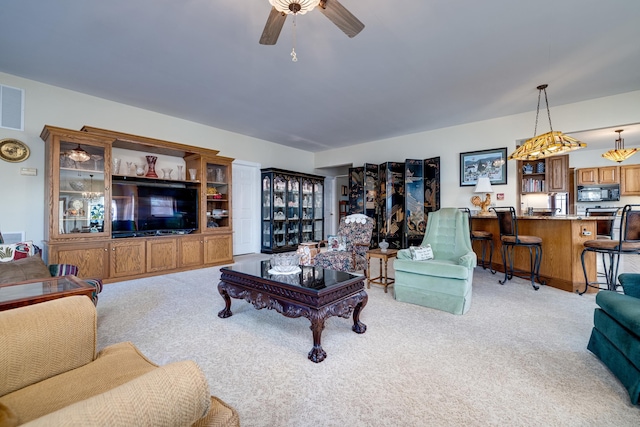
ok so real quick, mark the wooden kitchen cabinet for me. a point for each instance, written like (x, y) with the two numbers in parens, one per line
(609, 175)
(593, 176)
(548, 175)
(630, 180)
(558, 174)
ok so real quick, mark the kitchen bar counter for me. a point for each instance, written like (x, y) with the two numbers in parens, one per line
(563, 240)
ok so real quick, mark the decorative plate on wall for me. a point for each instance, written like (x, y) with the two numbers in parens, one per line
(13, 150)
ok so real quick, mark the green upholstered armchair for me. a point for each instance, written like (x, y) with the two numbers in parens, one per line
(443, 282)
(615, 337)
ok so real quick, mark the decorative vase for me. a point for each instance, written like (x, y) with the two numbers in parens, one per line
(151, 162)
(166, 173)
(116, 166)
(180, 176)
(384, 245)
(139, 169)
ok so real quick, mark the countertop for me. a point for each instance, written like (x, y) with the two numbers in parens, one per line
(552, 218)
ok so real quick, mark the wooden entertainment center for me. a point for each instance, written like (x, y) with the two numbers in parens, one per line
(124, 206)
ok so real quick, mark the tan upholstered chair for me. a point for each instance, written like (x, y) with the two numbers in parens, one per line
(51, 375)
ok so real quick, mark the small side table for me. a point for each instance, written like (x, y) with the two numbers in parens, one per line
(13, 295)
(383, 279)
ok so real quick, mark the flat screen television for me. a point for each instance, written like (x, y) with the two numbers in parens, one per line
(143, 209)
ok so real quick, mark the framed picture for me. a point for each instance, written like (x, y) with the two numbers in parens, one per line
(491, 163)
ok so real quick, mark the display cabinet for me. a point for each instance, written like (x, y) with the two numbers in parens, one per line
(217, 193)
(292, 209)
(123, 206)
(75, 170)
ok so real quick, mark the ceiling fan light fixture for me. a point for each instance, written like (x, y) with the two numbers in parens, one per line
(548, 144)
(619, 154)
(294, 7)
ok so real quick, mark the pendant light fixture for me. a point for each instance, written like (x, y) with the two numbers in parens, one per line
(619, 154)
(91, 195)
(79, 155)
(547, 144)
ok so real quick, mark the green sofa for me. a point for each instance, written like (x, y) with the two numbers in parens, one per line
(615, 337)
(444, 282)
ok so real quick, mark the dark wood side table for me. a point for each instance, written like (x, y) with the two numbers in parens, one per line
(13, 295)
(383, 279)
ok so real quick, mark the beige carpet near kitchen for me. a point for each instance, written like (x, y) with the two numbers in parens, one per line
(517, 358)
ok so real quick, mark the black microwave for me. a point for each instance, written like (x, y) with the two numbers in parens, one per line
(600, 193)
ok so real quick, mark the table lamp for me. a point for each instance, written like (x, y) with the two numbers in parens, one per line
(483, 186)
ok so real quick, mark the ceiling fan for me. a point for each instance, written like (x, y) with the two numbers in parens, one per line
(332, 9)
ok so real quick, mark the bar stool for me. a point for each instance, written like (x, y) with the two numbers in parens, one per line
(604, 230)
(508, 223)
(628, 242)
(485, 238)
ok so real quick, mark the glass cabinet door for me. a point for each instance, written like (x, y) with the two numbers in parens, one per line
(279, 216)
(81, 184)
(218, 195)
(307, 210)
(318, 211)
(293, 211)
(267, 195)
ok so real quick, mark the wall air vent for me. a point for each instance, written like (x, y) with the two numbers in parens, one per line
(11, 108)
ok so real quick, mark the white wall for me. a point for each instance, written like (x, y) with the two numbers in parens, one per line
(448, 143)
(22, 197)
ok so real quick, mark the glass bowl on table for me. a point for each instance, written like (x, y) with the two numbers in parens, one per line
(285, 263)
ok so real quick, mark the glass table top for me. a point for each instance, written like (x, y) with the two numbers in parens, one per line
(15, 291)
(309, 276)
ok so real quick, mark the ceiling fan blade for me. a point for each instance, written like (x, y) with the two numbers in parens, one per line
(272, 28)
(340, 16)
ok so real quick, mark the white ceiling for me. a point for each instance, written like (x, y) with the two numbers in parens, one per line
(417, 65)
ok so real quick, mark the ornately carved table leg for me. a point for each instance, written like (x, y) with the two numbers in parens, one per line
(317, 354)
(359, 327)
(226, 312)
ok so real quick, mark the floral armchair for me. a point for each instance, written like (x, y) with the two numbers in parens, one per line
(353, 242)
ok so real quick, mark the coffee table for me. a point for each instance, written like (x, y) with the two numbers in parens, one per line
(314, 293)
(30, 292)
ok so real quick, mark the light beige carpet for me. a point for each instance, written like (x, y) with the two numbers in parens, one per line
(517, 358)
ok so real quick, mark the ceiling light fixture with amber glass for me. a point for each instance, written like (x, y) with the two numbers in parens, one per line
(619, 154)
(547, 144)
